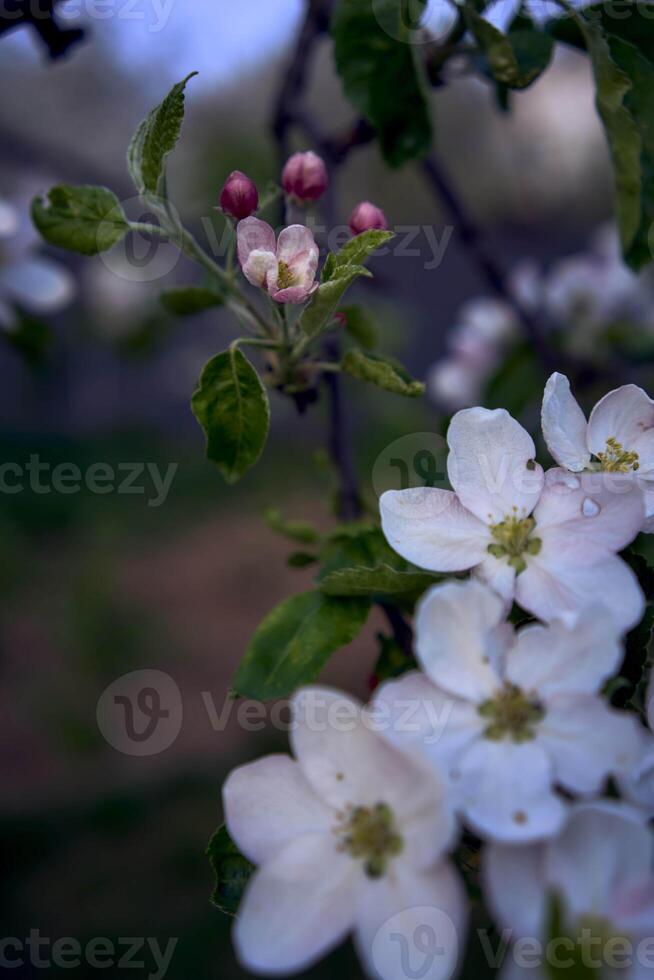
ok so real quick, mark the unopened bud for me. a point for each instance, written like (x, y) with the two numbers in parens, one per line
(367, 216)
(305, 176)
(239, 197)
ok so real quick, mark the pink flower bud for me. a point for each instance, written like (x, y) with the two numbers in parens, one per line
(239, 197)
(367, 216)
(305, 176)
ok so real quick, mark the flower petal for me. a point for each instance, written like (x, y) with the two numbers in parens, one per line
(348, 763)
(566, 657)
(587, 741)
(564, 425)
(637, 786)
(294, 294)
(396, 912)
(602, 845)
(513, 887)
(491, 464)
(259, 267)
(457, 643)
(623, 414)
(296, 907)
(296, 244)
(607, 508)
(431, 528)
(38, 285)
(253, 235)
(507, 791)
(498, 575)
(269, 802)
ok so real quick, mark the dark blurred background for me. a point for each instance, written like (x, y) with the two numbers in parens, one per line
(98, 842)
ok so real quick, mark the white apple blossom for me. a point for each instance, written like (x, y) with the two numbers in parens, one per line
(549, 542)
(347, 836)
(637, 785)
(286, 267)
(507, 716)
(599, 871)
(617, 438)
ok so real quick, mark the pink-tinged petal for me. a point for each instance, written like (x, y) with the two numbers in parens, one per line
(423, 718)
(623, 414)
(457, 641)
(268, 803)
(293, 294)
(491, 464)
(571, 657)
(349, 763)
(395, 913)
(253, 235)
(564, 425)
(605, 508)
(507, 792)
(296, 907)
(432, 529)
(568, 577)
(513, 886)
(259, 267)
(648, 498)
(304, 265)
(587, 741)
(603, 845)
(293, 242)
(498, 575)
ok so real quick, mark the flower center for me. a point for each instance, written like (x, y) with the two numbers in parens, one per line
(369, 833)
(511, 714)
(512, 539)
(285, 276)
(615, 459)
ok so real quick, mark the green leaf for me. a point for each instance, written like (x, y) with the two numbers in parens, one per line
(392, 661)
(187, 300)
(383, 372)
(232, 407)
(357, 250)
(155, 138)
(231, 869)
(301, 559)
(381, 73)
(295, 641)
(516, 59)
(380, 580)
(300, 531)
(84, 219)
(322, 305)
(360, 326)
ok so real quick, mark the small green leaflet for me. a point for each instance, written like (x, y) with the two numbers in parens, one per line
(187, 300)
(155, 138)
(295, 641)
(380, 580)
(360, 326)
(232, 407)
(358, 249)
(87, 220)
(381, 73)
(299, 531)
(383, 372)
(516, 59)
(231, 869)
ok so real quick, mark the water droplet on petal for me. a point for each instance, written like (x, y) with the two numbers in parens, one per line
(590, 507)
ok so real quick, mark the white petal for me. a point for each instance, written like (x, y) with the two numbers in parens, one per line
(296, 907)
(507, 791)
(408, 922)
(587, 741)
(649, 702)
(565, 578)
(637, 786)
(38, 285)
(623, 414)
(574, 657)
(488, 464)
(297, 243)
(602, 845)
(423, 718)
(498, 575)
(348, 763)
(9, 219)
(8, 316)
(259, 267)
(431, 528)
(252, 235)
(513, 887)
(456, 638)
(564, 425)
(269, 802)
(605, 508)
